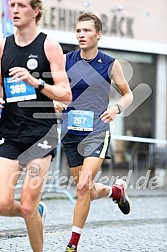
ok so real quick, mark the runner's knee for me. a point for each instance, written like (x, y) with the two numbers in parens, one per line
(27, 210)
(83, 188)
(5, 207)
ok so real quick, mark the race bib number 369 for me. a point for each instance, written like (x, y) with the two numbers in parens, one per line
(80, 120)
(18, 91)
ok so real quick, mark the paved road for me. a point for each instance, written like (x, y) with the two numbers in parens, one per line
(107, 229)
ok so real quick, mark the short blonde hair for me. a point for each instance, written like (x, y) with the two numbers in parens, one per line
(37, 4)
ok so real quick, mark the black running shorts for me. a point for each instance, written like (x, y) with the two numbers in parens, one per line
(27, 148)
(77, 147)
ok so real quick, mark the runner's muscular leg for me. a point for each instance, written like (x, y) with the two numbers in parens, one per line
(84, 178)
(30, 196)
(97, 190)
(9, 174)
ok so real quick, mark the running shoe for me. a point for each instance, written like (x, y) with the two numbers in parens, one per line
(71, 248)
(42, 208)
(120, 197)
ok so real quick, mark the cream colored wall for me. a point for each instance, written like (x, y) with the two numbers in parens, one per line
(149, 17)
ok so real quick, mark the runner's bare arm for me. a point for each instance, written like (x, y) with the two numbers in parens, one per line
(127, 97)
(60, 91)
(120, 81)
(2, 42)
(60, 106)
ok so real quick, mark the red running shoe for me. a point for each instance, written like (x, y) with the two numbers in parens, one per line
(120, 197)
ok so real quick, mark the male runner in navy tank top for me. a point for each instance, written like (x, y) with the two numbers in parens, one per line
(85, 128)
(32, 75)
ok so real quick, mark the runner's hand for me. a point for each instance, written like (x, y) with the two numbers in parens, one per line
(22, 74)
(109, 115)
(2, 102)
(59, 106)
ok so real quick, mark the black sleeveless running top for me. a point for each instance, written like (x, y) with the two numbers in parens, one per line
(19, 120)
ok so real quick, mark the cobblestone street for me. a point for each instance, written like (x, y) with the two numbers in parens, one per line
(107, 229)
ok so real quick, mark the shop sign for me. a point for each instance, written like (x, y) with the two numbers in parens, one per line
(65, 20)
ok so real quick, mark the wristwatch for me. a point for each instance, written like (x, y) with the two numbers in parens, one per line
(41, 84)
(120, 108)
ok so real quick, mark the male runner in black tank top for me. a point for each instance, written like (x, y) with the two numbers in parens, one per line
(32, 73)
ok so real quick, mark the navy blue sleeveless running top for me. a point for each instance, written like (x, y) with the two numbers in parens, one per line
(90, 84)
